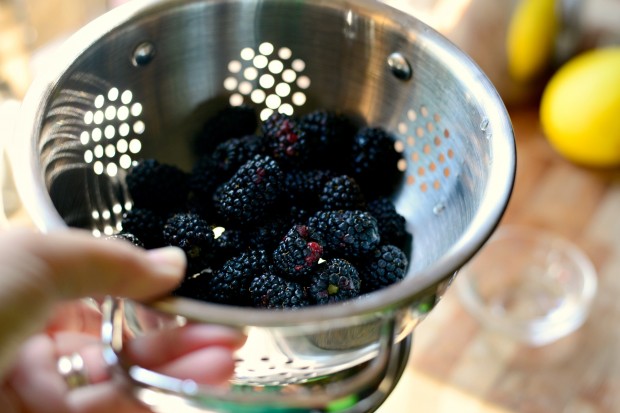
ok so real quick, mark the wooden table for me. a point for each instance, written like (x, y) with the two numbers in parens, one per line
(458, 367)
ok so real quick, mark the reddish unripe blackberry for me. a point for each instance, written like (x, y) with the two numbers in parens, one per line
(251, 192)
(297, 254)
(336, 280)
(286, 142)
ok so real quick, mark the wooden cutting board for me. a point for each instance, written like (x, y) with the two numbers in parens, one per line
(458, 367)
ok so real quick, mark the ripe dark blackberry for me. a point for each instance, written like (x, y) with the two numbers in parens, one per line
(346, 233)
(195, 284)
(203, 180)
(228, 243)
(333, 134)
(273, 292)
(230, 284)
(126, 236)
(303, 187)
(190, 232)
(336, 280)
(231, 154)
(383, 267)
(342, 192)
(156, 185)
(298, 215)
(251, 192)
(230, 122)
(297, 254)
(146, 224)
(392, 225)
(268, 234)
(286, 142)
(374, 161)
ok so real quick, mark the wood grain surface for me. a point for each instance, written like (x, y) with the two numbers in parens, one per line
(457, 366)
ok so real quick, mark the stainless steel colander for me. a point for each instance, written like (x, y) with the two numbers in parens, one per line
(139, 81)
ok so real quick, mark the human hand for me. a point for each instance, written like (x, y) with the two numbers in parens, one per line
(43, 277)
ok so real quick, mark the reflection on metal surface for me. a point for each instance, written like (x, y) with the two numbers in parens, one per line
(399, 66)
(143, 54)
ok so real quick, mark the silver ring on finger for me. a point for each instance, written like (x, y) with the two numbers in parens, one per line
(73, 371)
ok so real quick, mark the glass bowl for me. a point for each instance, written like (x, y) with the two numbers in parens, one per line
(529, 284)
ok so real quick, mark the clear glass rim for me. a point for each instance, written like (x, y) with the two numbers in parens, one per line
(585, 295)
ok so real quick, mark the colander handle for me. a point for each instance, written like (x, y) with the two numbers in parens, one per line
(376, 378)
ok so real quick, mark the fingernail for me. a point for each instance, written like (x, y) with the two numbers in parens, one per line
(169, 261)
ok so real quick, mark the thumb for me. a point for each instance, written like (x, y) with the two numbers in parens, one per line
(74, 264)
(37, 270)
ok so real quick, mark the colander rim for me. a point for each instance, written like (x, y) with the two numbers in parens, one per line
(30, 183)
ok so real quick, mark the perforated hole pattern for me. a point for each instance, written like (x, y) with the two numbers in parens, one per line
(271, 79)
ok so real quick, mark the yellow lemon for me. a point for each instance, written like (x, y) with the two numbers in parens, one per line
(580, 108)
(530, 41)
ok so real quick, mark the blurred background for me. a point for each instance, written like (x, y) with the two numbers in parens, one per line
(556, 64)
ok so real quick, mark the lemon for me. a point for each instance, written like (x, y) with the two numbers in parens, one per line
(580, 108)
(530, 41)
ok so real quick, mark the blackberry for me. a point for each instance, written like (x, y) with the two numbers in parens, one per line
(228, 242)
(203, 180)
(231, 154)
(251, 192)
(156, 185)
(374, 161)
(191, 233)
(333, 134)
(271, 291)
(269, 233)
(298, 253)
(230, 122)
(342, 192)
(126, 236)
(196, 284)
(286, 142)
(392, 225)
(146, 224)
(384, 266)
(303, 187)
(350, 233)
(230, 284)
(298, 215)
(336, 280)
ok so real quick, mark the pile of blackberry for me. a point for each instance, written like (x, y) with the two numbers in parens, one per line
(287, 213)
